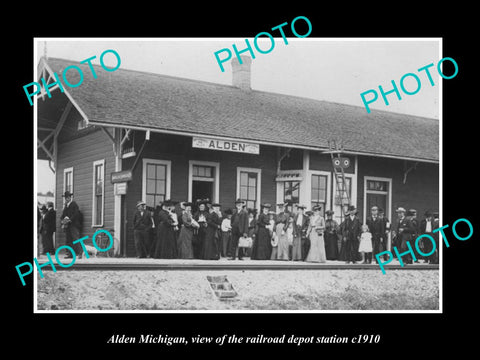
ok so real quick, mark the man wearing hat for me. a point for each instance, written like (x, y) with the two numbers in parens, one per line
(377, 229)
(71, 222)
(41, 216)
(300, 227)
(427, 225)
(48, 228)
(386, 225)
(351, 235)
(403, 231)
(396, 225)
(412, 216)
(142, 223)
(239, 223)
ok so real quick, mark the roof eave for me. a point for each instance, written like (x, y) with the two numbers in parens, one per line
(258, 141)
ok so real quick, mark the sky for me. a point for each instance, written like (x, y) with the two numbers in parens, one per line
(336, 70)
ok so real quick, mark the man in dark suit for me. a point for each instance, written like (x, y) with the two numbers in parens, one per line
(377, 228)
(142, 223)
(48, 228)
(71, 222)
(351, 235)
(41, 215)
(403, 232)
(239, 225)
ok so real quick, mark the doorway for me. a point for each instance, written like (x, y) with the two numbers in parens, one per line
(377, 192)
(202, 190)
(379, 200)
(203, 181)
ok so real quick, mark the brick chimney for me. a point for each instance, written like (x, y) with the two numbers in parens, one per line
(241, 73)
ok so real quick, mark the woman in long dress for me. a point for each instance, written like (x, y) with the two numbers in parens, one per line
(315, 232)
(184, 243)
(331, 237)
(166, 247)
(252, 231)
(214, 222)
(300, 227)
(281, 232)
(199, 236)
(262, 246)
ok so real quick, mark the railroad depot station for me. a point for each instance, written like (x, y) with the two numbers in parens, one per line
(128, 136)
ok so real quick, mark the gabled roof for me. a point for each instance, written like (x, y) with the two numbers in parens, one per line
(163, 103)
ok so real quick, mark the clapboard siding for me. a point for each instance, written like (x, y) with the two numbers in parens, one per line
(420, 191)
(80, 153)
(179, 151)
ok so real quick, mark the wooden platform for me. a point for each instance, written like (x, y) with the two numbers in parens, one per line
(106, 263)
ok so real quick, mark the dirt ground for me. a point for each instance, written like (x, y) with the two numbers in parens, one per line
(257, 290)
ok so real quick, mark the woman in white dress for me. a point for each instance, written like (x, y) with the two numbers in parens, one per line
(315, 234)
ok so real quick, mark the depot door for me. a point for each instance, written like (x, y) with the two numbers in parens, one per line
(202, 190)
(379, 200)
(204, 178)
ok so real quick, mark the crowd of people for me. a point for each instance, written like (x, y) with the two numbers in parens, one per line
(201, 230)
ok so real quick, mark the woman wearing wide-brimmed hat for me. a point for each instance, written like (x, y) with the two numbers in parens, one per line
(184, 241)
(315, 231)
(262, 246)
(166, 247)
(331, 236)
(214, 222)
(200, 217)
(300, 227)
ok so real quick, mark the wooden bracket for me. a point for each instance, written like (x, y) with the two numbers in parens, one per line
(407, 170)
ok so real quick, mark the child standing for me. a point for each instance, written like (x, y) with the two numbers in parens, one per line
(273, 236)
(226, 232)
(366, 245)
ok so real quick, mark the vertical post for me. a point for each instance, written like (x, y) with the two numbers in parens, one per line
(305, 186)
(55, 171)
(117, 218)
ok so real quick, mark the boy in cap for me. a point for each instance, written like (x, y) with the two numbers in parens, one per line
(226, 228)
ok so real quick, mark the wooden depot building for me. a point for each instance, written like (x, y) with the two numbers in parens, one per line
(129, 136)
